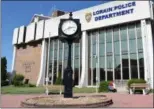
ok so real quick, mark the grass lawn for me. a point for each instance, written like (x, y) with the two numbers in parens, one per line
(38, 90)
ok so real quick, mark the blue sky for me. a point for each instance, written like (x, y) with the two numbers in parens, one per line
(18, 13)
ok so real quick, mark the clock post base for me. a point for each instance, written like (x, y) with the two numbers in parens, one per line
(68, 83)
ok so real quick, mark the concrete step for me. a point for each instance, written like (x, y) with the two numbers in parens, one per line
(122, 90)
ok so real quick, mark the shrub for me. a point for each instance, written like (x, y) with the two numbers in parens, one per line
(103, 86)
(135, 81)
(4, 83)
(31, 85)
(18, 80)
(58, 79)
(17, 83)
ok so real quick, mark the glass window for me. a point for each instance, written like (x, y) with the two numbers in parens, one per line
(109, 35)
(94, 49)
(102, 49)
(141, 60)
(94, 62)
(94, 38)
(76, 63)
(76, 50)
(66, 53)
(117, 48)
(124, 46)
(60, 44)
(125, 67)
(123, 32)
(116, 34)
(65, 45)
(60, 54)
(65, 63)
(125, 60)
(131, 31)
(132, 45)
(109, 62)
(133, 64)
(139, 42)
(102, 62)
(102, 37)
(108, 47)
(55, 54)
(141, 65)
(138, 29)
(55, 44)
(117, 62)
(117, 69)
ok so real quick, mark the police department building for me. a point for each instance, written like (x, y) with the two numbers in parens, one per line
(116, 44)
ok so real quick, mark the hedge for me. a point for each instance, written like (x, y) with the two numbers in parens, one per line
(18, 80)
(103, 86)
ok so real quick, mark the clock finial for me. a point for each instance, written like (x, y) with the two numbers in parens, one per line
(71, 15)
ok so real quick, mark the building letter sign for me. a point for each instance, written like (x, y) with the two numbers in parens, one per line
(109, 12)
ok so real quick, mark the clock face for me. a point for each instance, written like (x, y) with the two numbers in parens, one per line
(69, 27)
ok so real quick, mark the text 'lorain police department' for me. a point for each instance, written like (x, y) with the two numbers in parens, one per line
(114, 14)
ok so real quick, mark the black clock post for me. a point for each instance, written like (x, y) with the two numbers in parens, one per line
(69, 31)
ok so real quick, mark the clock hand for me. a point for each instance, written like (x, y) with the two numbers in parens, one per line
(68, 28)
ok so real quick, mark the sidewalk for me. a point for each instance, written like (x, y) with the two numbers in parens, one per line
(119, 100)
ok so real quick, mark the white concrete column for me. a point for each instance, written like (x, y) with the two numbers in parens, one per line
(41, 76)
(14, 58)
(149, 45)
(91, 60)
(138, 67)
(48, 61)
(130, 72)
(143, 33)
(84, 72)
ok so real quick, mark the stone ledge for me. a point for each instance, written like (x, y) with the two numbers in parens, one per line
(91, 101)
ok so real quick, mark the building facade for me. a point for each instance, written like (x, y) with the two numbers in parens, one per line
(116, 44)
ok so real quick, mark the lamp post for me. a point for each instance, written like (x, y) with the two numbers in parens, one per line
(69, 31)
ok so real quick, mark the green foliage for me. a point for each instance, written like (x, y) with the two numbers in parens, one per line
(3, 69)
(58, 80)
(151, 90)
(103, 86)
(135, 81)
(18, 80)
(18, 83)
(29, 85)
(4, 83)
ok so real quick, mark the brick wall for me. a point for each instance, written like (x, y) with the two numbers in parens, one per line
(28, 59)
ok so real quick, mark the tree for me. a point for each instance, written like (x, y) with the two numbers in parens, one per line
(3, 68)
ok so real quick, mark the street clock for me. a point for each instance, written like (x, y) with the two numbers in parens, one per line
(69, 29)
